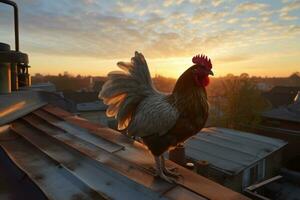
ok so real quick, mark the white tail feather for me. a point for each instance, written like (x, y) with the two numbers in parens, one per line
(125, 90)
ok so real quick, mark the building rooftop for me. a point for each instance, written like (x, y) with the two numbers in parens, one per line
(281, 95)
(286, 113)
(81, 97)
(230, 151)
(91, 106)
(68, 157)
(48, 86)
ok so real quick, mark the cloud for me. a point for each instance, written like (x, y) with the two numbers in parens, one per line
(233, 58)
(288, 7)
(250, 6)
(125, 8)
(111, 30)
(177, 15)
(292, 5)
(251, 19)
(204, 14)
(89, 1)
(216, 2)
(168, 3)
(294, 30)
(232, 20)
(196, 1)
(286, 16)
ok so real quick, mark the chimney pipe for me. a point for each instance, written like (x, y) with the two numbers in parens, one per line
(5, 82)
(202, 167)
(13, 64)
(14, 77)
(16, 21)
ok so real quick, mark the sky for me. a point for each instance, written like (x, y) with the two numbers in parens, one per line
(89, 37)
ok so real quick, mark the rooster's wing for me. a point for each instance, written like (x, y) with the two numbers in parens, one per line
(154, 115)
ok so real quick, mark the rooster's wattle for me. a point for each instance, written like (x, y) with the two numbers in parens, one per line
(161, 120)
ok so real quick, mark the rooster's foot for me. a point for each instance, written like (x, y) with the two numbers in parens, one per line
(165, 177)
(172, 169)
(172, 172)
(167, 170)
(160, 170)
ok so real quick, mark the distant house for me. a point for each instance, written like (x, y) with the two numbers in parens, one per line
(284, 117)
(281, 95)
(48, 86)
(80, 97)
(284, 123)
(233, 158)
(263, 86)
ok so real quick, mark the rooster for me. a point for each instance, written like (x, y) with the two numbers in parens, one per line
(161, 120)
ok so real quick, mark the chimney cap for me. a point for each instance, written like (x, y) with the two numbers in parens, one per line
(13, 57)
(202, 162)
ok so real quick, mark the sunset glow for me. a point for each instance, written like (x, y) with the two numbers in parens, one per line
(88, 37)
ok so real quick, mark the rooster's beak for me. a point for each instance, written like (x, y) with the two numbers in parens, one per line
(210, 72)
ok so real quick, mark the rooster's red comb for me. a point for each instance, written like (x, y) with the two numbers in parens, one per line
(202, 60)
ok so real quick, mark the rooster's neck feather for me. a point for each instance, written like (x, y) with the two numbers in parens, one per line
(190, 99)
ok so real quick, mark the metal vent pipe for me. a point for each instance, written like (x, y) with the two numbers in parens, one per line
(16, 20)
(5, 82)
(13, 64)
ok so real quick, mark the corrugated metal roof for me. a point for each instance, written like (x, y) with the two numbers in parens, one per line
(68, 157)
(281, 95)
(230, 150)
(287, 113)
(18, 104)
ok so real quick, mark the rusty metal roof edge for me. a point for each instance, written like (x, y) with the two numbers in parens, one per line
(24, 171)
(19, 104)
(36, 179)
(116, 172)
(21, 113)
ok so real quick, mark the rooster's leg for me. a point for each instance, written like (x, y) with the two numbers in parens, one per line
(168, 171)
(160, 170)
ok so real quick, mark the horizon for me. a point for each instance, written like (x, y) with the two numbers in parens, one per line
(259, 38)
(156, 75)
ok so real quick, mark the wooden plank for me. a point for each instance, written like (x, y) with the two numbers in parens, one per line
(266, 182)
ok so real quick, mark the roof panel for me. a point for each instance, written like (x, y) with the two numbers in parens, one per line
(230, 150)
(54, 180)
(287, 113)
(92, 166)
(79, 132)
(98, 159)
(18, 104)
